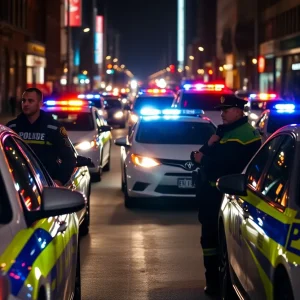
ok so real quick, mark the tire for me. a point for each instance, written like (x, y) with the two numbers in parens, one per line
(282, 286)
(106, 168)
(77, 288)
(85, 226)
(227, 290)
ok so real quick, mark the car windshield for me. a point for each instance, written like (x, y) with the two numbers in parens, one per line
(74, 121)
(96, 102)
(113, 103)
(153, 102)
(174, 132)
(277, 121)
(205, 101)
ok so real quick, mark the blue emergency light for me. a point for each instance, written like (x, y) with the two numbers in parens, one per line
(285, 108)
(149, 111)
(88, 96)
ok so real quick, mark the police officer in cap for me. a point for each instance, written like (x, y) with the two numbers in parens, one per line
(227, 152)
(47, 138)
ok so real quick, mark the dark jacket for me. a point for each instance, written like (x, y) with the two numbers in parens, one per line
(239, 142)
(50, 142)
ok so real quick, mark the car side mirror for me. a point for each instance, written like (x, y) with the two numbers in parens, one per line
(83, 161)
(234, 184)
(58, 201)
(105, 128)
(123, 141)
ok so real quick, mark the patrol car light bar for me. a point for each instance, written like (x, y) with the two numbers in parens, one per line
(65, 103)
(204, 87)
(263, 96)
(285, 108)
(148, 111)
(155, 91)
(88, 96)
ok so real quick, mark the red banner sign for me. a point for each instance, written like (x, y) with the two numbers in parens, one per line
(75, 13)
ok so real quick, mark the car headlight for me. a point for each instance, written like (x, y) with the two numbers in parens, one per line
(86, 145)
(145, 162)
(253, 116)
(119, 115)
(100, 112)
(134, 118)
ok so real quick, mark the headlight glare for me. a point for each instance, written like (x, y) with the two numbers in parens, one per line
(145, 162)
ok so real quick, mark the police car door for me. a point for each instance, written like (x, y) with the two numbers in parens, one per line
(104, 140)
(266, 228)
(60, 257)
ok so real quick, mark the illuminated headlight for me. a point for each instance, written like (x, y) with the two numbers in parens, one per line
(253, 116)
(85, 145)
(124, 100)
(145, 162)
(134, 118)
(100, 112)
(119, 115)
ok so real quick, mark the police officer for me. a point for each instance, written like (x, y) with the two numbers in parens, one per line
(47, 138)
(227, 152)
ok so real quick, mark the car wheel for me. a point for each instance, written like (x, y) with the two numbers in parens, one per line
(128, 201)
(282, 286)
(77, 288)
(107, 166)
(85, 226)
(227, 290)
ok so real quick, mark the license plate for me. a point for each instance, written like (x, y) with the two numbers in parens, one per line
(185, 183)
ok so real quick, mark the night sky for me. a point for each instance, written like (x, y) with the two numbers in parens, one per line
(144, 27)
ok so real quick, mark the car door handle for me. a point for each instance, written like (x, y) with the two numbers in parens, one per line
(62, 227)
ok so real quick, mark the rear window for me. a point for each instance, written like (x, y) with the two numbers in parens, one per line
(154, 102)
(73, 121)
(113, 103)
(203, 101)
(174, 132)
(277, 121)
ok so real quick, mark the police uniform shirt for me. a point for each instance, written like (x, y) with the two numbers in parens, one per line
(50, 142)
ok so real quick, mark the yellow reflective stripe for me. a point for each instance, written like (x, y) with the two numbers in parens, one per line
(284, 217)
(48, 258)
(239, 141)
(266, 282)
(38, 142)
(210, 251)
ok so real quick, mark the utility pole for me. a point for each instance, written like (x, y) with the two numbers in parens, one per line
(69, 73)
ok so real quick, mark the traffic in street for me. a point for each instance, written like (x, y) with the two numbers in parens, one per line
(149, 252)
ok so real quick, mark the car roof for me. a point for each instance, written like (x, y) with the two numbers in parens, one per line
(292, 128)
(155, 96)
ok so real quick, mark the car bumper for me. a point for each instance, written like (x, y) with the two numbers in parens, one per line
(94, 155)
(160, 181)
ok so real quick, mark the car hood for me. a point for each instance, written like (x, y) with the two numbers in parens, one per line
(80, 136)
(176, 152)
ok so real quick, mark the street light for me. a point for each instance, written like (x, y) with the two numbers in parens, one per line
(254, 61)
(123, 66)
(108, 57)
(86, 29)
(85, 72)
(115, 60)
(201, 49)
(191, 57)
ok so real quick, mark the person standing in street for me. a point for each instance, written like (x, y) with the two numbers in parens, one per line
(47, 138)
(227, 152)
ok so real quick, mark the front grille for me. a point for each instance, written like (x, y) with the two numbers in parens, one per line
(179, 174)
(174, 189)
(183, 164)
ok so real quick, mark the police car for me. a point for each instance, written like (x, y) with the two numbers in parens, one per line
(259, 222)
(88, 131)
(149, 99)
(39, 251)
(96, 100)
(277, 116)
(155, 157)
(205, 96)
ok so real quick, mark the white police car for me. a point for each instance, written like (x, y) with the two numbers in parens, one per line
(96, 100)
(149, 99)
(277, 116)
(87, 130)
(259, 223)
(205, 96)
(155, 157)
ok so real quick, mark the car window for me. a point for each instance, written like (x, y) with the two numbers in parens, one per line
(277, 175)
(40, 171)
(24, 180)
(258, 163)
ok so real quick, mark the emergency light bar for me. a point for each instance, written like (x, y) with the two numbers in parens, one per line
(263, 96)
(148, 111)
(66, 103)
(204, 87)
(155, 91)
(285, 108)
(88, 96)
